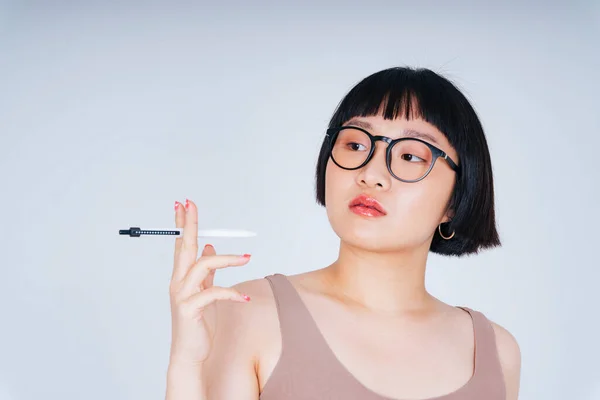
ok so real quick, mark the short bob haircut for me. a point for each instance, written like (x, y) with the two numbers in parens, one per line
(423, 94)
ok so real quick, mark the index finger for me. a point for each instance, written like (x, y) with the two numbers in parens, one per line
(186, 250)
(179, 222)
(190, 228)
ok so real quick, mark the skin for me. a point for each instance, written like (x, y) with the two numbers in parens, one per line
(385, 319)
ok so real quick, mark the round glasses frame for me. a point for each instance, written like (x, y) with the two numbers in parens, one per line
(332, 134)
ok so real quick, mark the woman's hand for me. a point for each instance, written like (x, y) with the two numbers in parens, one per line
(192, 290)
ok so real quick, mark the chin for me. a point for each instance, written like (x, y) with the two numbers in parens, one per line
(371, 244)
(379, 244)
(369, 239)
(374, 237)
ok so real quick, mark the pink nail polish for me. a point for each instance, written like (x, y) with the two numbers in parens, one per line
(247, 298)
(246, 256)
(187, 204)
(176, 205)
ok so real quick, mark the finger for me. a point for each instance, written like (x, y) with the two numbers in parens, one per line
(202, 299)
(190, 229)
(200, 271)
(210, 279)
(179, 222)
(208, 250)
(188, 251)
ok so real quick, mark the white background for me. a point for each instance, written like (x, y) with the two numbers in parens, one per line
(111, 111)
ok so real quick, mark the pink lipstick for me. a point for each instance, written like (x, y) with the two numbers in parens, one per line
(367, 206)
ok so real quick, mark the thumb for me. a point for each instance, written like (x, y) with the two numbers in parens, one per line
(209, 250)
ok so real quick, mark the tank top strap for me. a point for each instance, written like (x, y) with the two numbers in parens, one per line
(488, 370)
(299, 332)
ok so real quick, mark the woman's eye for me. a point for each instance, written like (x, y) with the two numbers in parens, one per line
(356, 146)
(411, 158)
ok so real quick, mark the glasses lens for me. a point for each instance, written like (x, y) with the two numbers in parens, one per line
(411, 159)
(351, 148)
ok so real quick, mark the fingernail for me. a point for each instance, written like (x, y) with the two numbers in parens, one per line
(245, 297)
(246, 256)
(176, 205)
(187, 203)
(209, 245)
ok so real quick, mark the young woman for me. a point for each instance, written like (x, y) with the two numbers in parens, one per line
(404, 170)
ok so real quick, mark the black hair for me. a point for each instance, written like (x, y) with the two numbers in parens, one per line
(421, 93)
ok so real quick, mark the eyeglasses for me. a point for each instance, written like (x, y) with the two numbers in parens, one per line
(408, 159)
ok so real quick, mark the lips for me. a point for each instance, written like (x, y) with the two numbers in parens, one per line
(367, 205)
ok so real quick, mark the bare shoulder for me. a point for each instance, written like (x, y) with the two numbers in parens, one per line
(508, 347)
(245, 317)
(509, 353)
(249, 324)
(260, 317)
(238, 331)
(257, 289)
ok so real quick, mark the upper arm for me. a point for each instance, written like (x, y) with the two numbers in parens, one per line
(229, 371)
(510, 360)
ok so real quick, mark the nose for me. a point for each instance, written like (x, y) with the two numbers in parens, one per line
(375, 174)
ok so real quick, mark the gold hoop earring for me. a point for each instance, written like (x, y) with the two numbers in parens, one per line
(442, 235)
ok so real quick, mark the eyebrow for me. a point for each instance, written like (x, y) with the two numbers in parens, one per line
(405, 133)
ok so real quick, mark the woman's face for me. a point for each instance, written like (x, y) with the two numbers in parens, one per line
(412, 211)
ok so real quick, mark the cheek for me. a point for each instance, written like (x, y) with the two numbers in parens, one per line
(426, 202)
(337, 183)
(419, 207)
(340, 187)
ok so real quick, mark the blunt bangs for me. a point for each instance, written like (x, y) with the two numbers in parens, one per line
(410, 94)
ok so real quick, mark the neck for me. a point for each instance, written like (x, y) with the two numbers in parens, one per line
(390, 282)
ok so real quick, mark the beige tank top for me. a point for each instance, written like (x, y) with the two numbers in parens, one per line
(309, 370)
